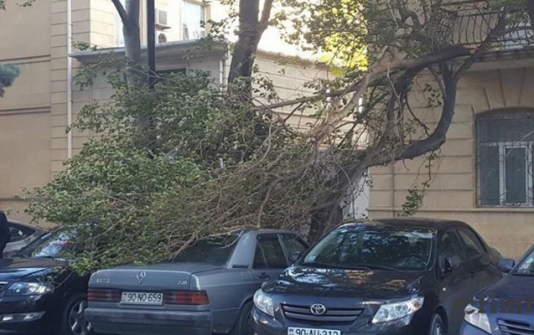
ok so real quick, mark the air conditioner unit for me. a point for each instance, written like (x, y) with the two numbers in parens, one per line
(161, 37)
(162, 19)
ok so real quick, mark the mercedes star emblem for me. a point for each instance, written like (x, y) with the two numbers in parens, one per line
(317, 309)
(140, 277)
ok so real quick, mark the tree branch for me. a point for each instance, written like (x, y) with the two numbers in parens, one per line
(122, 12)
(265, 15)
(378, 73)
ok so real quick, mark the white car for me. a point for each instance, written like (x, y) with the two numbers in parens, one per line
(21, 235)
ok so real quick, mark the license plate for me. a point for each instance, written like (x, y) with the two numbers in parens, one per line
(311, 331)
(142, 298)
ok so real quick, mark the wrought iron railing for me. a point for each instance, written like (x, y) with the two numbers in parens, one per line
(470, 22)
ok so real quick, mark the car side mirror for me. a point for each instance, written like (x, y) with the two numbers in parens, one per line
(506, 265)
(294, 256)
(445, 265)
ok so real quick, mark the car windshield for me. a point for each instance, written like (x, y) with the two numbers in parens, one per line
(370, 247)
(526, 267)
(214, 251)
(48, 245)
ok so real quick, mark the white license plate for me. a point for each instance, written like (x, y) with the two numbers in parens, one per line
(142, 298)
(311, 331)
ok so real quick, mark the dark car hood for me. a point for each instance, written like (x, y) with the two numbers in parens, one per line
(510, 287)
(18, 268)
(365, 284)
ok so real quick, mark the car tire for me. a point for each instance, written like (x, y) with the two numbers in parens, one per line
(437, 326)
(243, 325)
(73, 320)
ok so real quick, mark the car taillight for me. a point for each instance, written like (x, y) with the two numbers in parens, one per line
(103, 295)
(186, 298)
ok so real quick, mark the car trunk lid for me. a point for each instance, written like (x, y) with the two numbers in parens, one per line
(158, 277)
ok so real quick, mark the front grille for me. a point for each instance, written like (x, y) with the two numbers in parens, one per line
(508, 327)
(332, 315)
(3, 285)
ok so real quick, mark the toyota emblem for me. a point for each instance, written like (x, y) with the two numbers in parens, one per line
(317, 309)
(140, 277)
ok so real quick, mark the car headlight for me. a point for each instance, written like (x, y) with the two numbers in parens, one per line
(477, 318)
(398, 310)
(29, 288)
(264, 302)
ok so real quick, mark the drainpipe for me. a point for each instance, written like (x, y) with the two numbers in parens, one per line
(222, 70)
(69, 78)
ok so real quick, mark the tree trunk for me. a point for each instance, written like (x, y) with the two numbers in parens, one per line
(324, 220)
(251, 28)
(130, 14)
(132, 45)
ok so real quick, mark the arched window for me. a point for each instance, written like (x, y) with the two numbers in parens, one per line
(505, 141)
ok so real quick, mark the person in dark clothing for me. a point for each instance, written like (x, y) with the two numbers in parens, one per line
(5, 233)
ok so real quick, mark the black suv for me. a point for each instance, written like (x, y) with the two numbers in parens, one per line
(382, 277)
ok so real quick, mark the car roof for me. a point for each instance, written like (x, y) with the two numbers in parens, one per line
(428, 223)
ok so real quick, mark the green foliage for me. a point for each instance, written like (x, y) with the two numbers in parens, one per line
(8, 73)
(212, 169)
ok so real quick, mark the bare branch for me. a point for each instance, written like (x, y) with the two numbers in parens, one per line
(377, 75)
(265, 15)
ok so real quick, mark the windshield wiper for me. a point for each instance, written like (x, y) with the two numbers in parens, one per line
(376, 267)
(337, 266)
(322, 265)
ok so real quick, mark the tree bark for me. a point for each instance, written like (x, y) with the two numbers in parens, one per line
(132, 41)
(251, 28)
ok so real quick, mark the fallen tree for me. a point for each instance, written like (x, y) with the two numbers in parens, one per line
(225, 160)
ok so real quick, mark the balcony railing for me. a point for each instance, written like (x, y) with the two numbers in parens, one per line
(470, 22)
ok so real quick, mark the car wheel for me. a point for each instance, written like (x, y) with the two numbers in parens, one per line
(437, 326)
(73, 320)
(243, 325)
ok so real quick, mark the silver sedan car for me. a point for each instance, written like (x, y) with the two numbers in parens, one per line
(207, 289)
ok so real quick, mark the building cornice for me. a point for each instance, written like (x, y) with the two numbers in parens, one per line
(178, 49)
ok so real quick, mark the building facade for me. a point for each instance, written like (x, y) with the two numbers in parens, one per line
(483, 173)
(44, 100)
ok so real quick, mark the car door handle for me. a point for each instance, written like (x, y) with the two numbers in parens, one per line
(264, 275)
(472, 274)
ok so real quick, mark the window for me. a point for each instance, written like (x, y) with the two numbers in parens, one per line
(19, 233)
(294, 246)
(119, 35)
(518, 31)
(398, 248)
(450, 248)
(52, 244)
(473, 246)
(505, 140)
(214, 251)
(269, 254)
(526, 266)
(194, 17)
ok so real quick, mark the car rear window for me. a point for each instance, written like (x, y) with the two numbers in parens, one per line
(214, 251)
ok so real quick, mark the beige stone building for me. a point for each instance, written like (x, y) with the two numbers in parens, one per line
(484, 172)
(44, 100)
